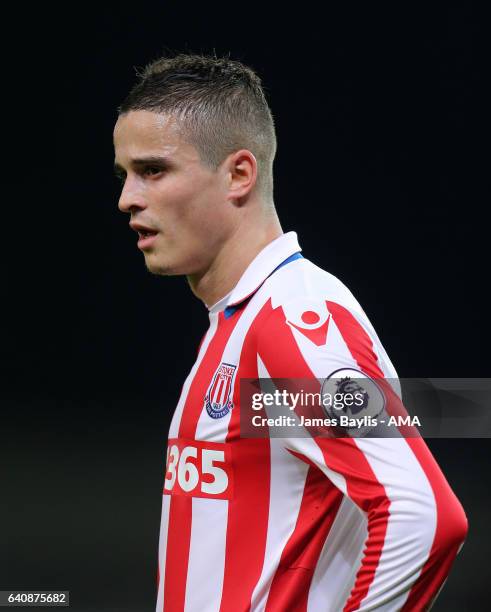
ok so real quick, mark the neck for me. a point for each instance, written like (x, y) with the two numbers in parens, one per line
(232, 260)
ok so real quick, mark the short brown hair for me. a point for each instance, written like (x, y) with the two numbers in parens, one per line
(220, 104)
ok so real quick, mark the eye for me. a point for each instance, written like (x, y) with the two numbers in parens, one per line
(152, 170)
(120, 177)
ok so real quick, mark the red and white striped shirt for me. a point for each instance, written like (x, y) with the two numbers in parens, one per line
(301, 523)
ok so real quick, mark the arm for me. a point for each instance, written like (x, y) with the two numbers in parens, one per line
(415, 523)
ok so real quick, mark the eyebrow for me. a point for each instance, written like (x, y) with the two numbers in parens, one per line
(144, 161)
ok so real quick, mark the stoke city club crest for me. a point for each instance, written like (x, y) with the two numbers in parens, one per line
(218, 402)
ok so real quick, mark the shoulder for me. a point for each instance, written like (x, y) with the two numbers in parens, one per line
(309, 309)
(302, 290)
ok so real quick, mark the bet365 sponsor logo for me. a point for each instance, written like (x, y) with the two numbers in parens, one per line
(198, 469)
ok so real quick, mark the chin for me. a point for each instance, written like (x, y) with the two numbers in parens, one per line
(161, 268)
(167, 267)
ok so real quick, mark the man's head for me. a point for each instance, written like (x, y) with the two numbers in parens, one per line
(195, 144)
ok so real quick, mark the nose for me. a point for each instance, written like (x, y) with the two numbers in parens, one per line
(130, 200)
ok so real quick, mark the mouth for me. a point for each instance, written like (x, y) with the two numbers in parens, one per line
(146, 236)
(146, 239)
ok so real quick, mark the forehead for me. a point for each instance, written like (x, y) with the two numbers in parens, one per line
(144, 132)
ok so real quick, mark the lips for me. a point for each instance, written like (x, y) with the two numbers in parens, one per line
(142, 229)
(145, 241)
(146, 235)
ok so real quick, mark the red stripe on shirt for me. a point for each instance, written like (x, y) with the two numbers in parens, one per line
(357, 339)
(451, 526)
(451, 530)
(283, 358)
(248, 511)
(318, 509)
(180, 513)
(177, 558)
(363, 485)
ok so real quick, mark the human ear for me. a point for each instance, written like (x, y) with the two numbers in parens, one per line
(242, 173)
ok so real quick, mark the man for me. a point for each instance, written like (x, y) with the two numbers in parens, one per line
(278, 524)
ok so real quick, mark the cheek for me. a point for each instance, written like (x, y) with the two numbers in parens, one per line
(203, 210)
(193, 209)
(173, 203)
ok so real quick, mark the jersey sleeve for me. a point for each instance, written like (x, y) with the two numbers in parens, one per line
(415, 523)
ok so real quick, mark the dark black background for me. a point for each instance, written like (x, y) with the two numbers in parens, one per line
(380, 170)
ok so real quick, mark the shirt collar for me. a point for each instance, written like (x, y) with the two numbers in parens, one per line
(265, 262)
